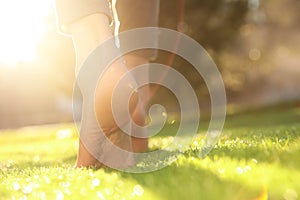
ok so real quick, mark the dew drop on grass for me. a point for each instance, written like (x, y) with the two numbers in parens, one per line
(91, 174)
(43, 196)
(67, 191)
(239, 170)
(47, 180)
(59, 196)
(100, 195)
(196, 143)
(108, 191)
(138, 190)
(254, 160)
(115, 175)
(27, 189)
(248, 168)
(16, 186)
(95, 182)
(66, 184)
(117, 189)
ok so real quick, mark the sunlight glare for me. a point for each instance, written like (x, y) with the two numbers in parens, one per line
(22, 26)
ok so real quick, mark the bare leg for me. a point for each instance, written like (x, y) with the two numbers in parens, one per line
(87, 34)
(132, 61)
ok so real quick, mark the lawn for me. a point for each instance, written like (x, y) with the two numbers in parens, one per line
(257, 157)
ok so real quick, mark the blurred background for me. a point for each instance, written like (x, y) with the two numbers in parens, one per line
(255, 44)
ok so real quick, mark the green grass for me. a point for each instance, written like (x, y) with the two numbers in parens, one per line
(257, 157)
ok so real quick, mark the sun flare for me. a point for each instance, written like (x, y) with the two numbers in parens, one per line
(22, 26)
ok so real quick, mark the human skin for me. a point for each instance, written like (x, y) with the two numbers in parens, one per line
(88, 33)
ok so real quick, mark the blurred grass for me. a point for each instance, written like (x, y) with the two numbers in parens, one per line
(257, 157)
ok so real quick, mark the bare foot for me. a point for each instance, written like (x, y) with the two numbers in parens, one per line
(85, 158)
